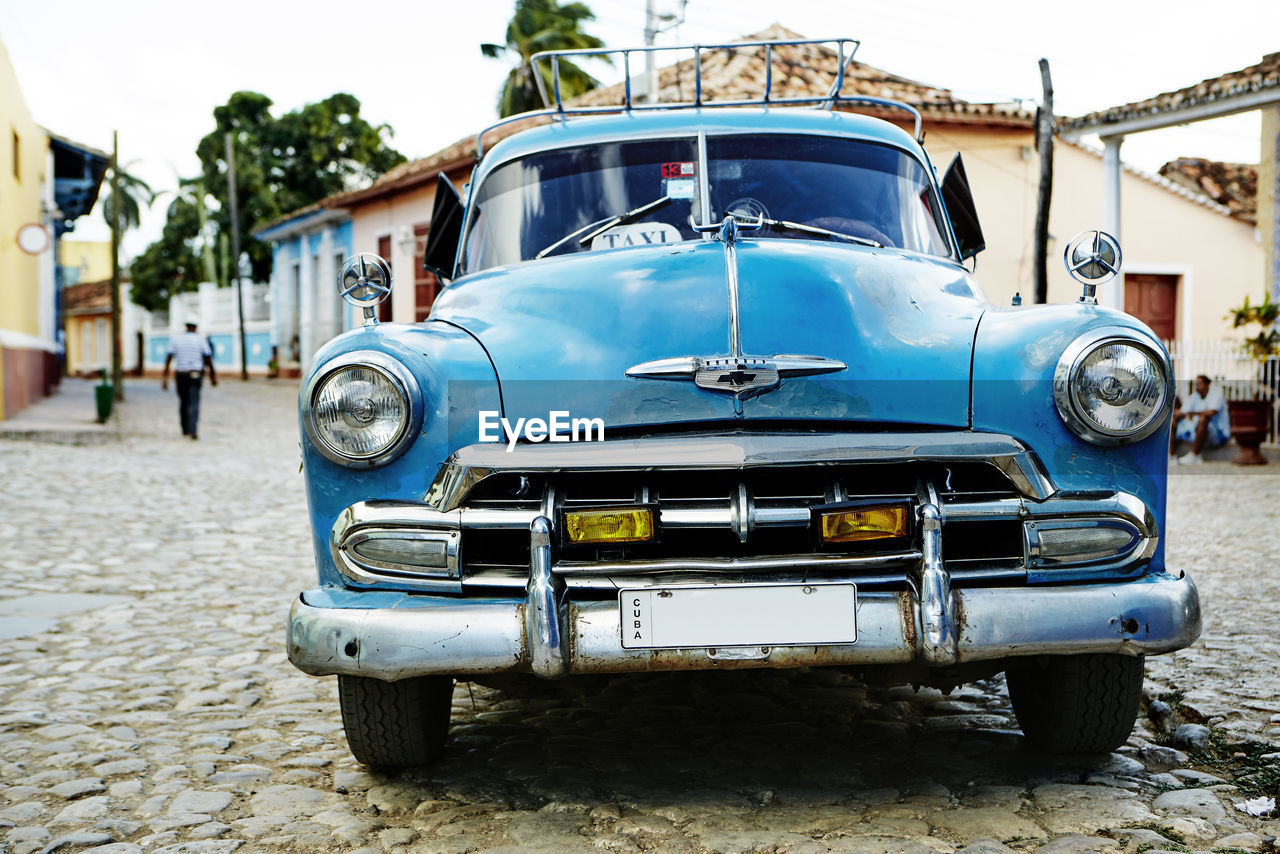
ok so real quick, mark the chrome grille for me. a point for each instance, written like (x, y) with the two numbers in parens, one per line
(748, 523)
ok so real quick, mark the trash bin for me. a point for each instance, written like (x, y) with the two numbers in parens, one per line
(104, 395)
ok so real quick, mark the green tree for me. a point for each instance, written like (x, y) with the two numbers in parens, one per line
(539, 25)
(169, 265)
(134, 194)
(282, 164)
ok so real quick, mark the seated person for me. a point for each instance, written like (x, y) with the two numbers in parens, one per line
(1202, 421)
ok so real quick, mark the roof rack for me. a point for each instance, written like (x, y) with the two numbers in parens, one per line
(828, 101)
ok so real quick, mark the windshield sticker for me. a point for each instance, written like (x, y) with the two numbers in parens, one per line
(636, 234)
(678, 170)
(679, 188)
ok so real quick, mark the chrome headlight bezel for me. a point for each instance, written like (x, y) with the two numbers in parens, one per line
(1069, 364)
(392, 370)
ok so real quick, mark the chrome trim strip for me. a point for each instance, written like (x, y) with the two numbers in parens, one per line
(704, 181)
(472, 464)
(542, 606)
(728, 234)
(938, 630)
(1000, 508)
(492, 578)
(734, 564)
(1150, 615)
(390, 579)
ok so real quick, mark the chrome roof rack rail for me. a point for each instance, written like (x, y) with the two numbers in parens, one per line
(557, 109)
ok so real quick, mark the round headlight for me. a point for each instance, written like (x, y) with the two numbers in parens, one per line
(1112, 388)
(361, 409)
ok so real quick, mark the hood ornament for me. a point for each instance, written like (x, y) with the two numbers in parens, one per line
(1093, 258)
(365, 281)
(736, 373)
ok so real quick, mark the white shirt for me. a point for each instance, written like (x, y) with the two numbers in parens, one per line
(1212, 401)
(188, 350)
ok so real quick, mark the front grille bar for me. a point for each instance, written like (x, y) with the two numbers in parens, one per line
(472, 465)
(737, 564)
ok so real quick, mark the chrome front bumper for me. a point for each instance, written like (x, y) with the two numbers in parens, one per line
(545, 636)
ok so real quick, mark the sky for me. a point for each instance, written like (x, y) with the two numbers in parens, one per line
(154, 72)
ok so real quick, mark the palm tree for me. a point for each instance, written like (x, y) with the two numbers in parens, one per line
(134, 193)
(539, 25)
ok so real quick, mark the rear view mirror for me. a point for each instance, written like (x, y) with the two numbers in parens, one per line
(961, 210)
(446, 230)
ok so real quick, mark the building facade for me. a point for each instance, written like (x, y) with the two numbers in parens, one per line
(28, 336)
(46, 182)
(308, 249)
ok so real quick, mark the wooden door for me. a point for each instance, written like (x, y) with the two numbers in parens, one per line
(384, 251)
(1153, 299)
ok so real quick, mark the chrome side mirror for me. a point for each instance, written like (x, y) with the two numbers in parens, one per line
(365, 281)
(1093, 258)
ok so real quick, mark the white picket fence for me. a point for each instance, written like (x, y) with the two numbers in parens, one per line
(1239, 375)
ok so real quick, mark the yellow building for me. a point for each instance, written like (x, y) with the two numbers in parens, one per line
(28, 366)
(84, 261)
(45, 183)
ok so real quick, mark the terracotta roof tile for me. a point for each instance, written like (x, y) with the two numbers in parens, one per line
(1263, 75)
(1232, 185)
(801, 71)
(87, 296)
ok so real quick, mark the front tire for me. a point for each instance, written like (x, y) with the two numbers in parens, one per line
(1077, 703)
(393, 725)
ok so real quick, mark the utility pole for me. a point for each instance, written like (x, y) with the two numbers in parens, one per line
(650, 64)
(117, 369)
(1044, 143)
(235, 253)
(651, 29)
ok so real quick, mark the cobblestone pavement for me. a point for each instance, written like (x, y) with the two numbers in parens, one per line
(146, 704)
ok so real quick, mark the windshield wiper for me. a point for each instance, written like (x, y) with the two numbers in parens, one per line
(603, 225)
(813, 229)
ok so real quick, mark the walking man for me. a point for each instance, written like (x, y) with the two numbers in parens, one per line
(190, 356)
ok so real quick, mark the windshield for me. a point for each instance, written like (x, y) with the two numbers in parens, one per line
(619, 195)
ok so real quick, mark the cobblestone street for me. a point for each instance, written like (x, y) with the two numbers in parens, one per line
(146, 704)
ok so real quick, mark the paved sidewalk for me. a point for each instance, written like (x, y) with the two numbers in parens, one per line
(67, 417)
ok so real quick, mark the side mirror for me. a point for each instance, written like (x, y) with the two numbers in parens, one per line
(446, 230)
(958, 200)
(1093, 258)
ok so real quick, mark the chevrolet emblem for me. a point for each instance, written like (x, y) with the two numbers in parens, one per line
(742, 376)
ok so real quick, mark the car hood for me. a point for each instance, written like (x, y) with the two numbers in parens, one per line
(563, 332)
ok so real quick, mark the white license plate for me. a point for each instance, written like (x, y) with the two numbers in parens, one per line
(738, 615)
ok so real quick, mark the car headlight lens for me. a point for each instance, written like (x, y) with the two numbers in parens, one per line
(1112, 389)
(361, 411)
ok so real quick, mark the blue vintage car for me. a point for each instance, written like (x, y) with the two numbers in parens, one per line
(712, 387)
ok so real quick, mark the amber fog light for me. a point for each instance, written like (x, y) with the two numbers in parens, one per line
(609, 525)
(843, 524)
